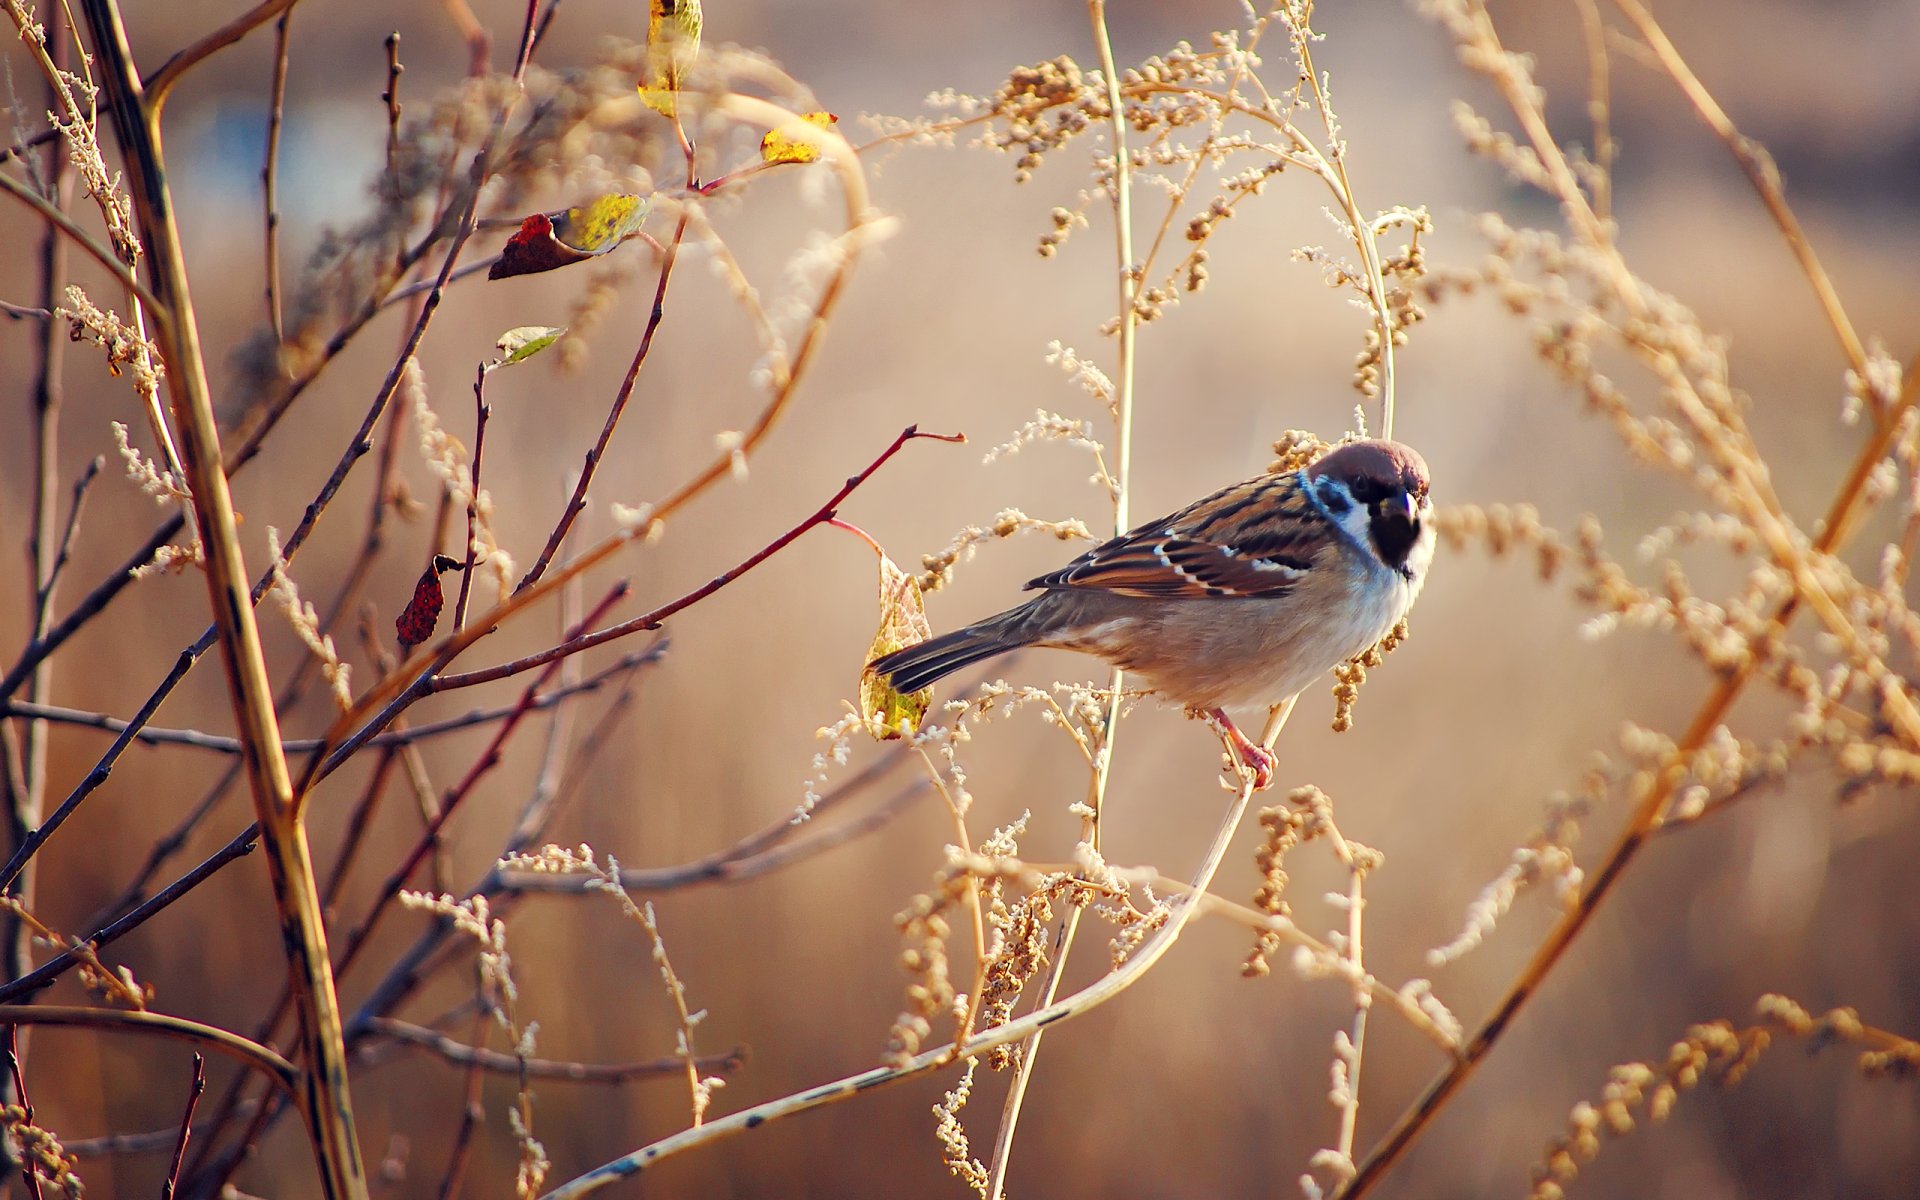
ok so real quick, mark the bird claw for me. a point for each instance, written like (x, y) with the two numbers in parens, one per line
(1259, 762)
(1253, 759)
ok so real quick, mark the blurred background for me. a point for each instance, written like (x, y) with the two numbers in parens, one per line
(1196, 1082)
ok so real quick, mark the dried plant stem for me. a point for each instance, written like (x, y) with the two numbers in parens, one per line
(1362, 1000)
(1333, 167)
(194, 1089)
(1092, 996)
(785, 378)
(542, 1068)
(1263, 923)
(1760, 171)
(80, 237)
(1599, 106)
(270, 173)
(1128, 275)
(577, 503)
(963, 841)
(482, 411)
(328, 1110)
(1642, 824)
(251, 1054)
(161, 81)
(28, 793)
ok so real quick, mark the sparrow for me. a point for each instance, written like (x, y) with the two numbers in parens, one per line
(1242, 598)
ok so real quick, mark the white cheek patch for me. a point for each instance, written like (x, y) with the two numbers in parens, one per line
(1356, 523)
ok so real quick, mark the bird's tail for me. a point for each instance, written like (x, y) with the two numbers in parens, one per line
(919, 666)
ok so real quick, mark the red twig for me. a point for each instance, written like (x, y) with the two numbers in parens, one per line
(30, 1171)
(481, 411)
(194, 1089)
(578, 501)
(489, 757)
(653, 620)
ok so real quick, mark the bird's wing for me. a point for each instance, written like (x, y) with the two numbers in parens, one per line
(1257, 538)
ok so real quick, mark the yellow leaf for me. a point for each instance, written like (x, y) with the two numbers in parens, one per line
(659, 100)
(778, 147)
(673, 42)
(903, 622)
(600, 224)
(519, 345)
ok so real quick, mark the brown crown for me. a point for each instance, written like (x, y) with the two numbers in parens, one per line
(1390, 464)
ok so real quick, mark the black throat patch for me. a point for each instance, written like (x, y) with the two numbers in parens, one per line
(1393, 533)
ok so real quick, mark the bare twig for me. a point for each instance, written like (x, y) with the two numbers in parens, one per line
(1761, 172)
(16, 1082)
(1128, 316)
(270, 172)
(542, 1068)
(198, 739)
(247, 1053)
(157, 85)
(426, 682)
(1098, 992)
(47, 972)
(194, 1089)
(577, 503)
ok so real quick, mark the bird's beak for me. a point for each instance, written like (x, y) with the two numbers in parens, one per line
(1401, 507)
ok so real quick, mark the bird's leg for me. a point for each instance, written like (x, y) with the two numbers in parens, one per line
(1251, 755)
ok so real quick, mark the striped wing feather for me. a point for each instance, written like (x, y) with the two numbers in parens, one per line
(1256, 538)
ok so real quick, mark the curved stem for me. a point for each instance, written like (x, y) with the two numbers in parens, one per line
(249, 1053)
(1079, 1003)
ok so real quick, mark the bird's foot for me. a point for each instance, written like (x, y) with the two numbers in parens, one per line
(1254, 759)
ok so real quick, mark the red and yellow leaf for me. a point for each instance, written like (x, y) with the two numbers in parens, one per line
(549, 241)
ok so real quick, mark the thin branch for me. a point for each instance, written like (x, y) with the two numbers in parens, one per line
(1094, 994)
(247, 1053)
(127, 1143)
(25, 312)
(578, 502)
(1129, 326)
(452, 801)
(415, 733)
(16, 1082)
(270, 172)
(198, 1086)
(786, 376)
(1761, 172)
(460, 1053)
(43, 976)
(1644, 821)
(731, 865)
(80, 237)
(157, 85)
(428, 683)
(51, 576)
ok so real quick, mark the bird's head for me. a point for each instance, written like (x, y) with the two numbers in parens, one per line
(1377, 491)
